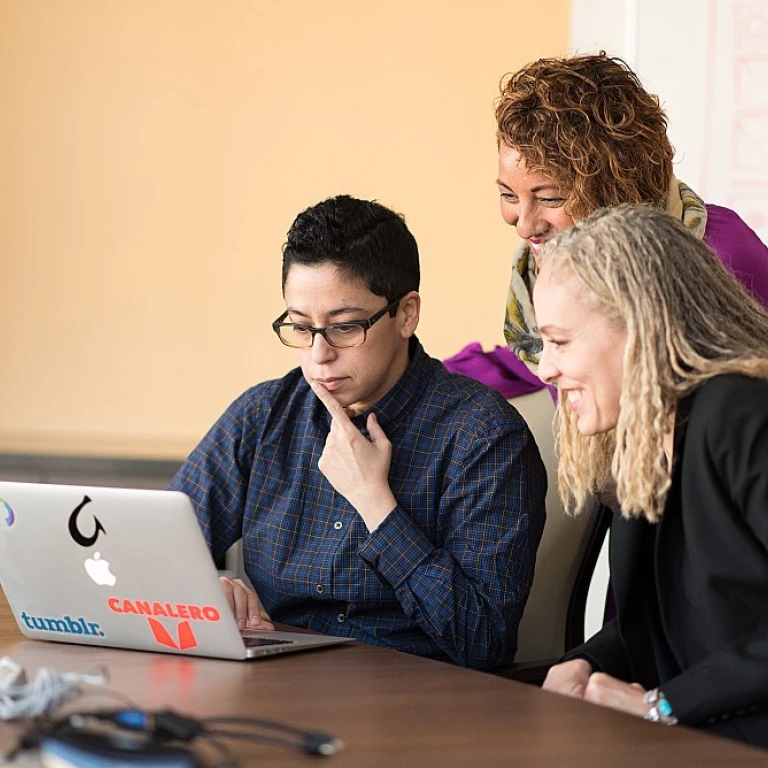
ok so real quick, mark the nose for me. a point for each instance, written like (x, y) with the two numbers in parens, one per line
(322, 351)
(526, 222)
(547, 370)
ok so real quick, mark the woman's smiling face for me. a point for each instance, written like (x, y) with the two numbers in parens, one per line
(532, 202)
(583, 350)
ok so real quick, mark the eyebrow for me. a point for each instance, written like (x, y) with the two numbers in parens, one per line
(331, 314)
(553, 329)
(539, 188)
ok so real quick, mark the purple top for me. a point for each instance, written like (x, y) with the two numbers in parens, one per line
(740, 250)
(726, 233)
(499, 369)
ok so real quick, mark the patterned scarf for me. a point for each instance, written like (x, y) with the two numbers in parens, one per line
(520, 329)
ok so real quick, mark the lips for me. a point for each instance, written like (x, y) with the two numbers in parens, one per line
(332, 383)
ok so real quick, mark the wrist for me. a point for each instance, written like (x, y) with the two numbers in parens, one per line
(375, 509)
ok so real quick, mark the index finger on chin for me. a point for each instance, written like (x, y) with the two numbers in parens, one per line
(334, 407)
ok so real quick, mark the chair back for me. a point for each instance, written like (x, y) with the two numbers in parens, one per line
(553, 622)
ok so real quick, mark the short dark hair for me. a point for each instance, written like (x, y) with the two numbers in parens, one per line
(366, 241)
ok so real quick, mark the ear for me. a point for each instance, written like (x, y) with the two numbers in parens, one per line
(408, 314)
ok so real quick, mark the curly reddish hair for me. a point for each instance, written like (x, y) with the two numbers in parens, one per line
(589, 123)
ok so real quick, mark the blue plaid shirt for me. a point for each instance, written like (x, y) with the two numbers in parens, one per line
(446, 575)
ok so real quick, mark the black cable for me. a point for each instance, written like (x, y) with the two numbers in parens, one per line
(154, 729)
(256, 721)
(224, 751)
(311, 742)
(309, 745)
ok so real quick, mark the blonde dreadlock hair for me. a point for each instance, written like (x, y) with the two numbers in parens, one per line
(687, 320)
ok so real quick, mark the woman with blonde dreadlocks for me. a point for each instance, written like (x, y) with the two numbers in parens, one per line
(661, 362)
(581, 133)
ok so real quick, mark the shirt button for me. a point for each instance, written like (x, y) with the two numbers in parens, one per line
(338, 525)
(340, 618)
(320, 589)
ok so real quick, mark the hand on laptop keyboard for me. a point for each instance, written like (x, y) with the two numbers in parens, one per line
(245, 605)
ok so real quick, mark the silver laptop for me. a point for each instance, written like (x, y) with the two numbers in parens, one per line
(121, 567)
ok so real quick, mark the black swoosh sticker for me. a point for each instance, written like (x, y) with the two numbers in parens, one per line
(74, 531)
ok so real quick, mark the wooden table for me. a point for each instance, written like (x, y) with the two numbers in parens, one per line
(390, 709)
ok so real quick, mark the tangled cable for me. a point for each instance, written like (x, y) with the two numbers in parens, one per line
(45, 694)
(141, 737)
(130, 731)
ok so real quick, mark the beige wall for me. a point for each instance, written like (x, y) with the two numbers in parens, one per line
(153, 154)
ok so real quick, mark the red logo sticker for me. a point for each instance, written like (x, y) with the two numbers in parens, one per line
(168, 610)
(186, 637)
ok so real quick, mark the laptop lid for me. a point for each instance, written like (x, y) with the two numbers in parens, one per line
(121, 567)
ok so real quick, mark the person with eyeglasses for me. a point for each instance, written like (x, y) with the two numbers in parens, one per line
(377, 495)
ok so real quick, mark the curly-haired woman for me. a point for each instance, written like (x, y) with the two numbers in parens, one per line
(661, 362)
(581, 133)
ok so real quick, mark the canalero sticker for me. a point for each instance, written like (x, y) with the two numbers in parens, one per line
(183, 637)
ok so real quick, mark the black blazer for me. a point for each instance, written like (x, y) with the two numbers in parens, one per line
(706, 568)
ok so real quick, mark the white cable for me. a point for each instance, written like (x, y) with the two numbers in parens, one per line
(44, 694)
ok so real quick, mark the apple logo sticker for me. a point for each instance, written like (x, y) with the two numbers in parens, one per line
(99, 572)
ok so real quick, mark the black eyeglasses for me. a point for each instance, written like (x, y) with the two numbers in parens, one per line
(349, 334)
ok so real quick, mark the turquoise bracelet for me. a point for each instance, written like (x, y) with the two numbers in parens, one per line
(661, 709)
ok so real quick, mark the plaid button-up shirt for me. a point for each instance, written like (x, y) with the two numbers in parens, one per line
(446, 575)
